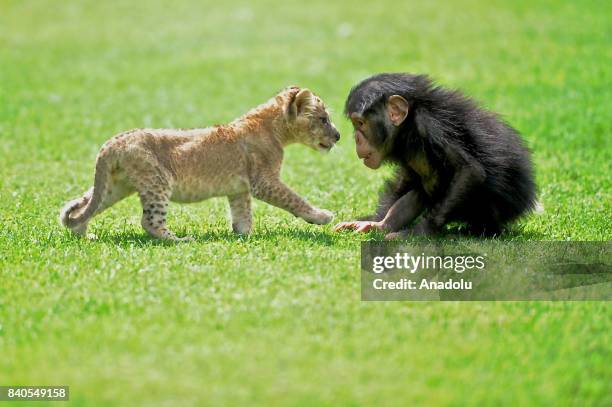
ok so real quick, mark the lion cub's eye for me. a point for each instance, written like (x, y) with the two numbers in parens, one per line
(324, 120)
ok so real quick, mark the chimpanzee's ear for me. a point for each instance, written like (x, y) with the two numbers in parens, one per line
(302, 102)
(397, 109)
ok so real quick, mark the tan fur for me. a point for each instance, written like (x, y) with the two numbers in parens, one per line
(237, 160)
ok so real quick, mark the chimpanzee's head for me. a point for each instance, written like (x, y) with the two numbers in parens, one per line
(378, 106)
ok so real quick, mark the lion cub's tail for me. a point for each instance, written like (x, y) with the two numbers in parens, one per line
(78, 211)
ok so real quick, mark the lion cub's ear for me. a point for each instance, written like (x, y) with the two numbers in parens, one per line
(301, 103)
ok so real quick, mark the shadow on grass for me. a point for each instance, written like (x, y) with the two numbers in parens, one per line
(324, 238)
(519, 234)
(316, 237)
(512, 232)
(457, 232)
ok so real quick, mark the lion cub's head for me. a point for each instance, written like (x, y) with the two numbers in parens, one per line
(310, 121)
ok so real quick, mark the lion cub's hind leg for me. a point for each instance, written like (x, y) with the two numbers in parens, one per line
(154, 199)
(240, 206)
(153, 185)
(154, 211)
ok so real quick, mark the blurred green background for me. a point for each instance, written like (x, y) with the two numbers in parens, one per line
(276, 318)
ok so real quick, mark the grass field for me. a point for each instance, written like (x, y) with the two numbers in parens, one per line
(276, 318)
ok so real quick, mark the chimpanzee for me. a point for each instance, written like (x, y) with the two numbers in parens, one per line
(455, 161)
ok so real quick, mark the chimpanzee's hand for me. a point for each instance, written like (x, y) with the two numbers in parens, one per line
(360, 226)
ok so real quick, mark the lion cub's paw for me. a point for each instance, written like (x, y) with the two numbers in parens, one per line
(320, 217)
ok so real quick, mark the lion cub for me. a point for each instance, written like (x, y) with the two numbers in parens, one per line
(237, 160)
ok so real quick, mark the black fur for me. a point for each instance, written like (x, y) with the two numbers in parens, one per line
(485, 174)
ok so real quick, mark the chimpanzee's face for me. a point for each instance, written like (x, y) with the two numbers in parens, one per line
(364, 134)
(375, 127)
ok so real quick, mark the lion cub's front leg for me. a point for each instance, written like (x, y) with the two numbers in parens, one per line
(274, 192)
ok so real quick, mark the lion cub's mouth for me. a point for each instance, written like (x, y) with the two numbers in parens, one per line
(325, 146)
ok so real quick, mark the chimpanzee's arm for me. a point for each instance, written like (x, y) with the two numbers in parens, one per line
(398, 205)
(400, 214)
(394, 189)
(403, 212)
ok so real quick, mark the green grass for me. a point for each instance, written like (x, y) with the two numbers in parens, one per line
(276, 318)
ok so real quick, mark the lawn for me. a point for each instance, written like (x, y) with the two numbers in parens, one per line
(277, 318)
